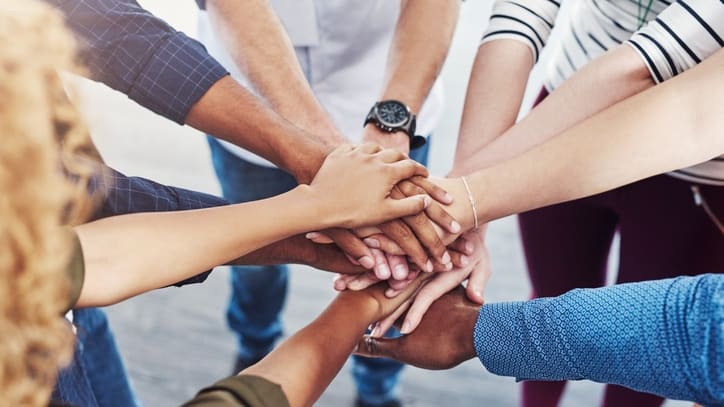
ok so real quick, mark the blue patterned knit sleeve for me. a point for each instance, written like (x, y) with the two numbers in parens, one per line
(664, 337)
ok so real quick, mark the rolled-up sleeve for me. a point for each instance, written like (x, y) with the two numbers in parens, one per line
(530, 22)
(683, 35)
(135, 52)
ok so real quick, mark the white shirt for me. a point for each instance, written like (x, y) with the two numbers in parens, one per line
(342, 47)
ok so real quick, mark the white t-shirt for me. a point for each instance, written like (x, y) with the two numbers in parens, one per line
(342, 47)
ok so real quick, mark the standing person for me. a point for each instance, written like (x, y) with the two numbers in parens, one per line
(663, 221)
(345, 68)
(134, 52)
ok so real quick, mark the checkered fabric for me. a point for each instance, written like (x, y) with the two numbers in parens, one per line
(123, 195)
(664, 337)
(135, 52)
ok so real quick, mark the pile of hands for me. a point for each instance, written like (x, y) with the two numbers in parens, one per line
(395, 252)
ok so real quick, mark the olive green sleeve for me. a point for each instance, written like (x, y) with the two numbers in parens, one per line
(75, 270)
(241, 391)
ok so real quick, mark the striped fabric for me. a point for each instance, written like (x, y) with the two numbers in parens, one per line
(670, 37)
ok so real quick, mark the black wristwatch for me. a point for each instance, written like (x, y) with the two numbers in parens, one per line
(392, 116)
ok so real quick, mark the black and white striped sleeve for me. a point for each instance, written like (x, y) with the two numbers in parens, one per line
(684, 34)
(528, 21)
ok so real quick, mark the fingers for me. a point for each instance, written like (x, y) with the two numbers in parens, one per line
(399, 232)
(319, 238)
(367, 148)
(463, 245)
(383, 326)
(398, 266)
(382, 267)
(434, 211)
(355, 282)
(405, 169)
(352, 245)
(384, 243)
(390, 155)
(478, 280)
(436, 192)
(436, 288)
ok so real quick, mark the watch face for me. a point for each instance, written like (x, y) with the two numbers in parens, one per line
(392, 113)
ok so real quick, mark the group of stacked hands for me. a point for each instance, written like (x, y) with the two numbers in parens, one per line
(390, 222)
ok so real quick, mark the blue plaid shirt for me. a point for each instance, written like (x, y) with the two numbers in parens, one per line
(135, 52)
(123, 195)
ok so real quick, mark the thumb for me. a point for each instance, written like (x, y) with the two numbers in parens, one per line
(398, 208)
(378, 347)
(405, 169)
(477, 281)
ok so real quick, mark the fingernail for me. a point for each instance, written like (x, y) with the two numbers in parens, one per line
(312, 235)
(454, 227)
(383, 272)
(399, 271)
(426, 199)
(389, 292)
(374, 243)
(445, 258)
(366, 262)
(405, 328)
(464, 260)
(448, 266)
(447, 197)
(469, 248)
(429, 267)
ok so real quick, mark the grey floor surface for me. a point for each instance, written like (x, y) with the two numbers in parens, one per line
(175, 340)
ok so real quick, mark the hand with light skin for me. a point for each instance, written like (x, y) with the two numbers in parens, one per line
(443, 339)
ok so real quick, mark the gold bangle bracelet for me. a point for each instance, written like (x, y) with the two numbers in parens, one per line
(471, 200)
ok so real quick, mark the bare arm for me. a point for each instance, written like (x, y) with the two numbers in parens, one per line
(674, 125)
(605, 81)
(131, 254)
(420, 44)
(270, 65)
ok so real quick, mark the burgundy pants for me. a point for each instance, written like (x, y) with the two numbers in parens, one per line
(663, 234)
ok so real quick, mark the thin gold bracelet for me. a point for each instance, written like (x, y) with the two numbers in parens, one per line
(472, 200)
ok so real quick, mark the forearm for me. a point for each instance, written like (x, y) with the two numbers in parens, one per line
(495, 93)
(661, 337)
(270, 65)
(131, 254)
(604, 82)
(306, 363)
(232, 113)
(419, 46)
(674, 125)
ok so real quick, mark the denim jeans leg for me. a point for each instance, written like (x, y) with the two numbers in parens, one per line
(376, 379)
(73, 386)
(258, 293)
(102, 361)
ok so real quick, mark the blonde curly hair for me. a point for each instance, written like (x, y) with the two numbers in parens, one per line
(41, 187)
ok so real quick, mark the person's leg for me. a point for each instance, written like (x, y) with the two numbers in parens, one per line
(566, 247)
(258, 293)
(376, 379)
(664, 234)
(101, 361)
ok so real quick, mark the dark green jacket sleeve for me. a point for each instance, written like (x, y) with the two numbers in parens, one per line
(241, 391)
(75, 270)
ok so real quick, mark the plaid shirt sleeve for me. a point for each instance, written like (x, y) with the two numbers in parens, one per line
(137, 53)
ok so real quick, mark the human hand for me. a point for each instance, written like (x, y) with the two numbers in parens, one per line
(443, 340)
(353, 186)
(299, 250)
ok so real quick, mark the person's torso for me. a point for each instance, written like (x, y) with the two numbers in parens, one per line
(342, 47)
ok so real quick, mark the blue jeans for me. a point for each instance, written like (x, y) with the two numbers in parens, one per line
(96, 377)
(258, 293)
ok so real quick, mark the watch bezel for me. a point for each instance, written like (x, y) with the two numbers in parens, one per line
(390, 125)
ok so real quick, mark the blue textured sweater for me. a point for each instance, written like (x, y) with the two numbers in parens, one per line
(664, 337)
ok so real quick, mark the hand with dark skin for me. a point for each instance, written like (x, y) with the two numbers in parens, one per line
(443, 340)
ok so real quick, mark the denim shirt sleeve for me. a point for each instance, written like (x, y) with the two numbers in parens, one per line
(137, 53)
(664, 337)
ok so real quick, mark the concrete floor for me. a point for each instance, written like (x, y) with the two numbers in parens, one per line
(175, 340)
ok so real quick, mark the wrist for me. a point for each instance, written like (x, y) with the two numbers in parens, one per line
(397, 140)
